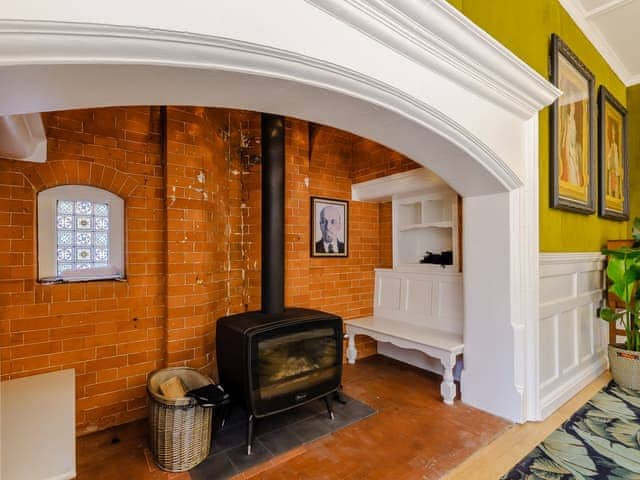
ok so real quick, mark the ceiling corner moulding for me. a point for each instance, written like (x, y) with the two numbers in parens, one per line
(468, 56)
(23, 137)
(583, 18)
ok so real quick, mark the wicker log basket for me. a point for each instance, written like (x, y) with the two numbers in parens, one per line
(180, 429)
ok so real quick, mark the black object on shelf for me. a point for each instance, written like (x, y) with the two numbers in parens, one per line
(443, 258)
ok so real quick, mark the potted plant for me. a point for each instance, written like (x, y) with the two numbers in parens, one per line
(623, 270)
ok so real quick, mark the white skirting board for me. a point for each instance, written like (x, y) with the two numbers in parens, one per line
(573, 339)
(417, 359)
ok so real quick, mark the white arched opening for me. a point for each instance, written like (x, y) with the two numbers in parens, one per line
(420, 79)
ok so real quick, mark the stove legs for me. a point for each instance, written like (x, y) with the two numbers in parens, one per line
(329, 409)
(250, 420)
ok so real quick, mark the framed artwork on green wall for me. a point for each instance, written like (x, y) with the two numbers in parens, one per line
(613, 171)
(573, 156)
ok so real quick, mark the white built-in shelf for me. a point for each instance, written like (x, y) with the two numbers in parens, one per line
(425, 222)
(424, 216)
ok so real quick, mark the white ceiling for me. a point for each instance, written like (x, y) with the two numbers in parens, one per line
(612, 26)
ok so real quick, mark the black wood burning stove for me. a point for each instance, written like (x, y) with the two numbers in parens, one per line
(274, 362)
(278, 358)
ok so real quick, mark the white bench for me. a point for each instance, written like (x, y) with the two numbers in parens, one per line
(416, 311)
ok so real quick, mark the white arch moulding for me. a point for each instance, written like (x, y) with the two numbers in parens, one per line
(417, 77)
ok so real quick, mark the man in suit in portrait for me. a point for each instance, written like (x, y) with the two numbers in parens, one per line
(330, 226)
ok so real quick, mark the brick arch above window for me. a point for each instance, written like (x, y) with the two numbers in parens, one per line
(80, 172)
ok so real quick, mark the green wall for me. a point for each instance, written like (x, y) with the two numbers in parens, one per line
(525, 28)
(633, 128)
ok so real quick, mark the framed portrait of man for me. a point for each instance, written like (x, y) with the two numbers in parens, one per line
(329, 227)
(572, 172)
(613, 171)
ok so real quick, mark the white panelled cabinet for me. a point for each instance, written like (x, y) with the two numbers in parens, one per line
(425, 222)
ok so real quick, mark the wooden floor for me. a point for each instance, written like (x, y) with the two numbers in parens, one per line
(413, 436)
(505, 451)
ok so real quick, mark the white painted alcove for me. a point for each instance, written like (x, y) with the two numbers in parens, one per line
(415, 76)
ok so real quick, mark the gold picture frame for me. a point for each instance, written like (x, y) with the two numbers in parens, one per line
(572, 132)
(613, 171)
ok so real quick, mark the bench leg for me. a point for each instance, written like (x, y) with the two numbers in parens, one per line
(447, 387)
(352, 352)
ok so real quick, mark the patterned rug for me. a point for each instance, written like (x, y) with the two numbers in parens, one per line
(601, 441)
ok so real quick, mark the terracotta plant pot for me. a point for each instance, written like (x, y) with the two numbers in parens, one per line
(625, 366)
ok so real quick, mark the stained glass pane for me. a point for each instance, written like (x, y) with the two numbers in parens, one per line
(83, 254)
(101, 209)
(65, 222)
(65, 254)
(83, 208)
(64, 266)
(100, 239)
(83, 239)
(82, 229)
(65, 206)
(65, 238)
(102, 223)
(83, 223)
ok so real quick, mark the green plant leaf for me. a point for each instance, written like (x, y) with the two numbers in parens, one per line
(610, 315)
(632, 273)
(621, 291)
(615, 268)
(622, 253)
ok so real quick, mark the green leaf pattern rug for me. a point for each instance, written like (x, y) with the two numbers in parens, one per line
(600, 441)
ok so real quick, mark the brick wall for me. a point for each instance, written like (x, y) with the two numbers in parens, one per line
(372, 160)
(193, 244)
(110, 332)
(211, 239)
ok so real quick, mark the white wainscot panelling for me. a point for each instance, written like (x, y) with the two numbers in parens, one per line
(549, 336)
(572, 337)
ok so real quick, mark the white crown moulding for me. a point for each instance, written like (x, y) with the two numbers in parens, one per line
(63, 43)
(579, 15)
(436, 35)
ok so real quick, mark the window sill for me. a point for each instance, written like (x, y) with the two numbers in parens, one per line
(58, 280)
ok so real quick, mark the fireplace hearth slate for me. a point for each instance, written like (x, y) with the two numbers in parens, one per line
(274, 436)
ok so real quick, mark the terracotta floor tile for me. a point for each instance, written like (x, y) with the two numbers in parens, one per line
(414, 435)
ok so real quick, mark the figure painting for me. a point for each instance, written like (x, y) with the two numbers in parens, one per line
(614, 169)
(573, 158)
(329, 227)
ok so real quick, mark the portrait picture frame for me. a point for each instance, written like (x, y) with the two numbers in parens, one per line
(573, 151)
(329, 227)
(613, 162)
